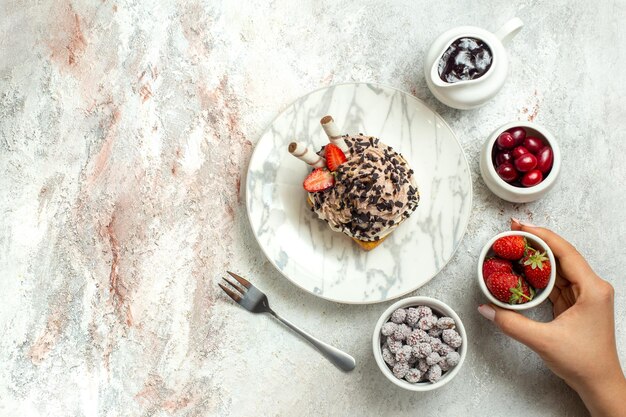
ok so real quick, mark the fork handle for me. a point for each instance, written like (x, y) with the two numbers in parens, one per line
(340, 358)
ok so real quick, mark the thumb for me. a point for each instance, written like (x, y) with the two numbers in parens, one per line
(521, 328)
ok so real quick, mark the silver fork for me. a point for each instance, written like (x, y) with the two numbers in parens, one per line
(255, 301)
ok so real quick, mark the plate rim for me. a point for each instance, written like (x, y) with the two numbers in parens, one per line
(402, 294)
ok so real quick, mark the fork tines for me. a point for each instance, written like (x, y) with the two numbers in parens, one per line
(241, 280)
(232, 294)
(236, 297)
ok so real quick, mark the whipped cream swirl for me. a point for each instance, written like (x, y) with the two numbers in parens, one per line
(374, 191)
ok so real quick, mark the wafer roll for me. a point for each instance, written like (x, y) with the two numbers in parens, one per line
(333, 133)
(301, 151)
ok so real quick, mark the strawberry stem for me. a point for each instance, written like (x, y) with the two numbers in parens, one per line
(517, 293)
(536, 260)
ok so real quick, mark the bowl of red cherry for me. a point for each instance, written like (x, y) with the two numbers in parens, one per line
(520, 162)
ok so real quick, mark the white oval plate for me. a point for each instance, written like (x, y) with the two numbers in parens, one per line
(329, 264)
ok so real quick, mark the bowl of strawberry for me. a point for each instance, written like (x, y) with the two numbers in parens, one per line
(516, 270)
(520, 162)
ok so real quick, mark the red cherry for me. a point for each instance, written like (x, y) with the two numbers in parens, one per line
(505, 141)
(519, 151)
(545, 157)
(518, 133)
(502, 157)
(532, 178)
(533, 144)
(507, 172)
(526, 162)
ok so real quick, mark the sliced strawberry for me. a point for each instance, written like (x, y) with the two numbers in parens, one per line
(334, 156)
(319, 180)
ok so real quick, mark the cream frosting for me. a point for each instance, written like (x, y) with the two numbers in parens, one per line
(373, 193)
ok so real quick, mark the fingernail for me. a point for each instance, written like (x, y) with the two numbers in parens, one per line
(487, 312)
(516, 221)
(527, 224)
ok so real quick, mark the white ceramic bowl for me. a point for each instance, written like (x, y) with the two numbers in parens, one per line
(510, 192)
(536, 243)
(441, 309)
(471, 94)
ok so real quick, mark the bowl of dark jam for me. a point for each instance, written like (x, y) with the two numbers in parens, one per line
(464, 60)
(466, 66)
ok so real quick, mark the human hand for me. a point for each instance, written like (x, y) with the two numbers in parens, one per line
(579, 344)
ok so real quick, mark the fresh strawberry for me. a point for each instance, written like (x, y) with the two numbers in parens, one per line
(508, 288)
(319, 180)
(492, 265)
(537, 269)
(528, 291)
(510, 247)
(334, 156)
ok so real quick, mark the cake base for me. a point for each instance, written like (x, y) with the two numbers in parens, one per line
(363, 244)
(368, 246)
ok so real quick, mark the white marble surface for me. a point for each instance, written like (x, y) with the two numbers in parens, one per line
(331, 265)
(125, 129)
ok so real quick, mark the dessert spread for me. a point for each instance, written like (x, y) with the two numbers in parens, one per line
(418, 345)
(522, 160)
(374, 191)
(516, 271)
(465, 59)
(365, 190)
